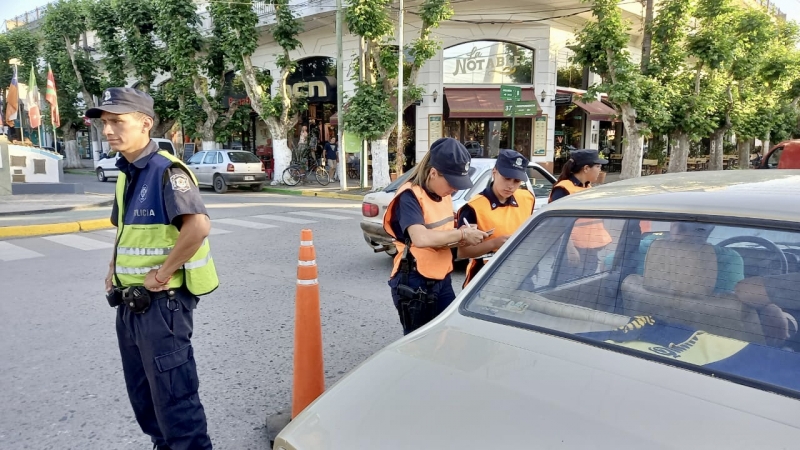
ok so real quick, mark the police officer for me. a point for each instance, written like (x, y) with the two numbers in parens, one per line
(161, 264)
(588, 236)
(420, 218)
(500, 207)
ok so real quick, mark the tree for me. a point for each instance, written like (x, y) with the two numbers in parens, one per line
(372, 111)
(236, 24)
(642, 100)
(64, 23)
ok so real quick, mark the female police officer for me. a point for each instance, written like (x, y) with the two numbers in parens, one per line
(420, 218)
(500, 207)
(588, 236)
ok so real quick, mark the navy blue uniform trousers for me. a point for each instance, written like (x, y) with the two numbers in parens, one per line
(443, 289)
(160, 371)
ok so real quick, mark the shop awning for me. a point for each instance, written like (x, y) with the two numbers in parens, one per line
(596, 110)
(480, 103)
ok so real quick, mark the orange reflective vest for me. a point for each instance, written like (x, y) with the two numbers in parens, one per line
(432, 263)
(587, 233)
(504, 220)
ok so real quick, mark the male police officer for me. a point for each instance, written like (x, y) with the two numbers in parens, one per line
(161, 264)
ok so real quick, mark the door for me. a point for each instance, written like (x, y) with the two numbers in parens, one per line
(195, 164)
(208, 168)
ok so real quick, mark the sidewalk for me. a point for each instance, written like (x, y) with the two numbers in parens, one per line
(15, 205)
(313, 189)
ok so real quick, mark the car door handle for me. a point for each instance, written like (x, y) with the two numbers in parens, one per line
(214, 167)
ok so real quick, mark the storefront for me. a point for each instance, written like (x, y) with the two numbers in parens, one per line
(580, 124)
(315, 78)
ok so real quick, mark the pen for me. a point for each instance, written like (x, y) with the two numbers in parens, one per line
(466, 223)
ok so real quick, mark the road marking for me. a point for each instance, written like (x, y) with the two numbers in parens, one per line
(353, 211)
(111, 231)
(285, 219)
(218, 231)
(245, 223)
(79, 242)
(11, 252)
(318, 215)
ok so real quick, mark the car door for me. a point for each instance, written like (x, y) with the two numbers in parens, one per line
(195, 164)
(211, 163)
(774, 158)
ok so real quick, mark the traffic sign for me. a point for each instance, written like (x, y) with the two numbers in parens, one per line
(520, 109)
(510, 93)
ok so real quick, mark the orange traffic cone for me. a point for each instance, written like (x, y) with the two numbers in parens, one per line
(309, 380)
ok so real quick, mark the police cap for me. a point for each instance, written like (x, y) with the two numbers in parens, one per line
(123, 101)
(511, 164)
(450, 158)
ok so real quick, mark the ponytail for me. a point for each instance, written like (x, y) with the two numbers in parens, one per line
(569, 169)
(420, 172)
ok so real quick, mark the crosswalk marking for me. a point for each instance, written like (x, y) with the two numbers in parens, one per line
(111, 231)
(218, 231)
(79, 242)
(284, 219)
(245, 223)
(353, 211)
(11, 252)
(319, 215)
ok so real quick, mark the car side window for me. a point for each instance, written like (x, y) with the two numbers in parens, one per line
(539, 184)
(219, 158)
(210, 158)
(197, 158)
(774, 158)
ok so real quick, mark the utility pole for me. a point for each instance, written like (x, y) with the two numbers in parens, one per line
(341, 167)
(400, 155)
(362, 76)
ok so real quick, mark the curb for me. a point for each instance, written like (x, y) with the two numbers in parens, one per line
(332, 195)
(311, 193)
(56, 210)
(54, 228)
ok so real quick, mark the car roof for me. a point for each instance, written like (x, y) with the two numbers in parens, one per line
(758, 194)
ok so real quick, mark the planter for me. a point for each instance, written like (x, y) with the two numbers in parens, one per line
(393, 176)
(601, 178)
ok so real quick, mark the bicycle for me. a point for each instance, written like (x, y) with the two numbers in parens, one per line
(296, 173)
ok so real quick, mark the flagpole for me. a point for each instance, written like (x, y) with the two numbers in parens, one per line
(19, 107)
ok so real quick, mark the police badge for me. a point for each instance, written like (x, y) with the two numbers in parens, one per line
(180, 182)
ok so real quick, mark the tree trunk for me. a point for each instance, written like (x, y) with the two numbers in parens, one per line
(715, 156)
(282, 156)
(632, 145)
(680, 152)
(207, 145)
(380, 164)
(743, 146)
(765, 145)
(73, 160)
(163, 127)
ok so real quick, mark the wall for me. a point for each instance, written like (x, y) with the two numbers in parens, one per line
(53, 165)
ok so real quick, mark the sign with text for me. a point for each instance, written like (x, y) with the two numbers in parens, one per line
(540, 136)
(488, 62)
(352, 144)
(520, 109)
(434, 128)
(510, 93)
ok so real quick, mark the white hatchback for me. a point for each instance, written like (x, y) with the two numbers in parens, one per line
(107, 164)
(222, 168)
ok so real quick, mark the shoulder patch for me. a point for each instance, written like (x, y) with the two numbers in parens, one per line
(180, 182)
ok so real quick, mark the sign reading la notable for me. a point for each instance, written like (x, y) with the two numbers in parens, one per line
(488, 62)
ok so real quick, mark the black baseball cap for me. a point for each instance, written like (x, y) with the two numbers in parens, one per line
(511, 164)
(450, 158)
(587, 157)
(123, 101)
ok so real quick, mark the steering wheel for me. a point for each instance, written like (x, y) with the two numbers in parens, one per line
(766, 243)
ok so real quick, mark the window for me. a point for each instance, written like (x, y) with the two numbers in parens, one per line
(211, 158)
(219, 158)
(166, 146)
(774, 158)
(242, 157)
(197, 158)
(715, 298)
(540, 185)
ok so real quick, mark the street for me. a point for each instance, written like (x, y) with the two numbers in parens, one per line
(61, 372)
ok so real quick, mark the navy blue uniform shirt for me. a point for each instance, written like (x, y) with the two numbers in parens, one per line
(407, 212)
(177, 203)
(559, 192)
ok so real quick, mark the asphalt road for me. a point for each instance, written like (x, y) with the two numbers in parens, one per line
(61, 385)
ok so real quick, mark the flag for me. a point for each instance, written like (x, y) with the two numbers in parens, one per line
(33, 102)
(52, 98)
(12, 100)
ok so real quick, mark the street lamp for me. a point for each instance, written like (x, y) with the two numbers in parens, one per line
(544, 95)
(435, 95)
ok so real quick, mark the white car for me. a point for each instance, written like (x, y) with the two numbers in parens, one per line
(107, 165)
(375, 204)
(677, 331)
(222, 168)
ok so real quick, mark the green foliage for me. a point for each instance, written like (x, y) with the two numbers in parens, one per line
(22, 44)
(139, 29)
(369, 112)
(106, 24)
(234, 28)
(369, 19)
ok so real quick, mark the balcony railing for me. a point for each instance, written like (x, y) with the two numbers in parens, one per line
(24, 19)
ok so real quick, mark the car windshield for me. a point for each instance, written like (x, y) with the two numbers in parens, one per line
(242, 157)
(710, 297)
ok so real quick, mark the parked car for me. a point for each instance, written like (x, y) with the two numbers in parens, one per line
(659, 340)
(474, 148)
(223, 168)
(107, 164)
(375, 204)
(785, 155)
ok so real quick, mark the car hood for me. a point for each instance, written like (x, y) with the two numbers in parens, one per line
(446, 388)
